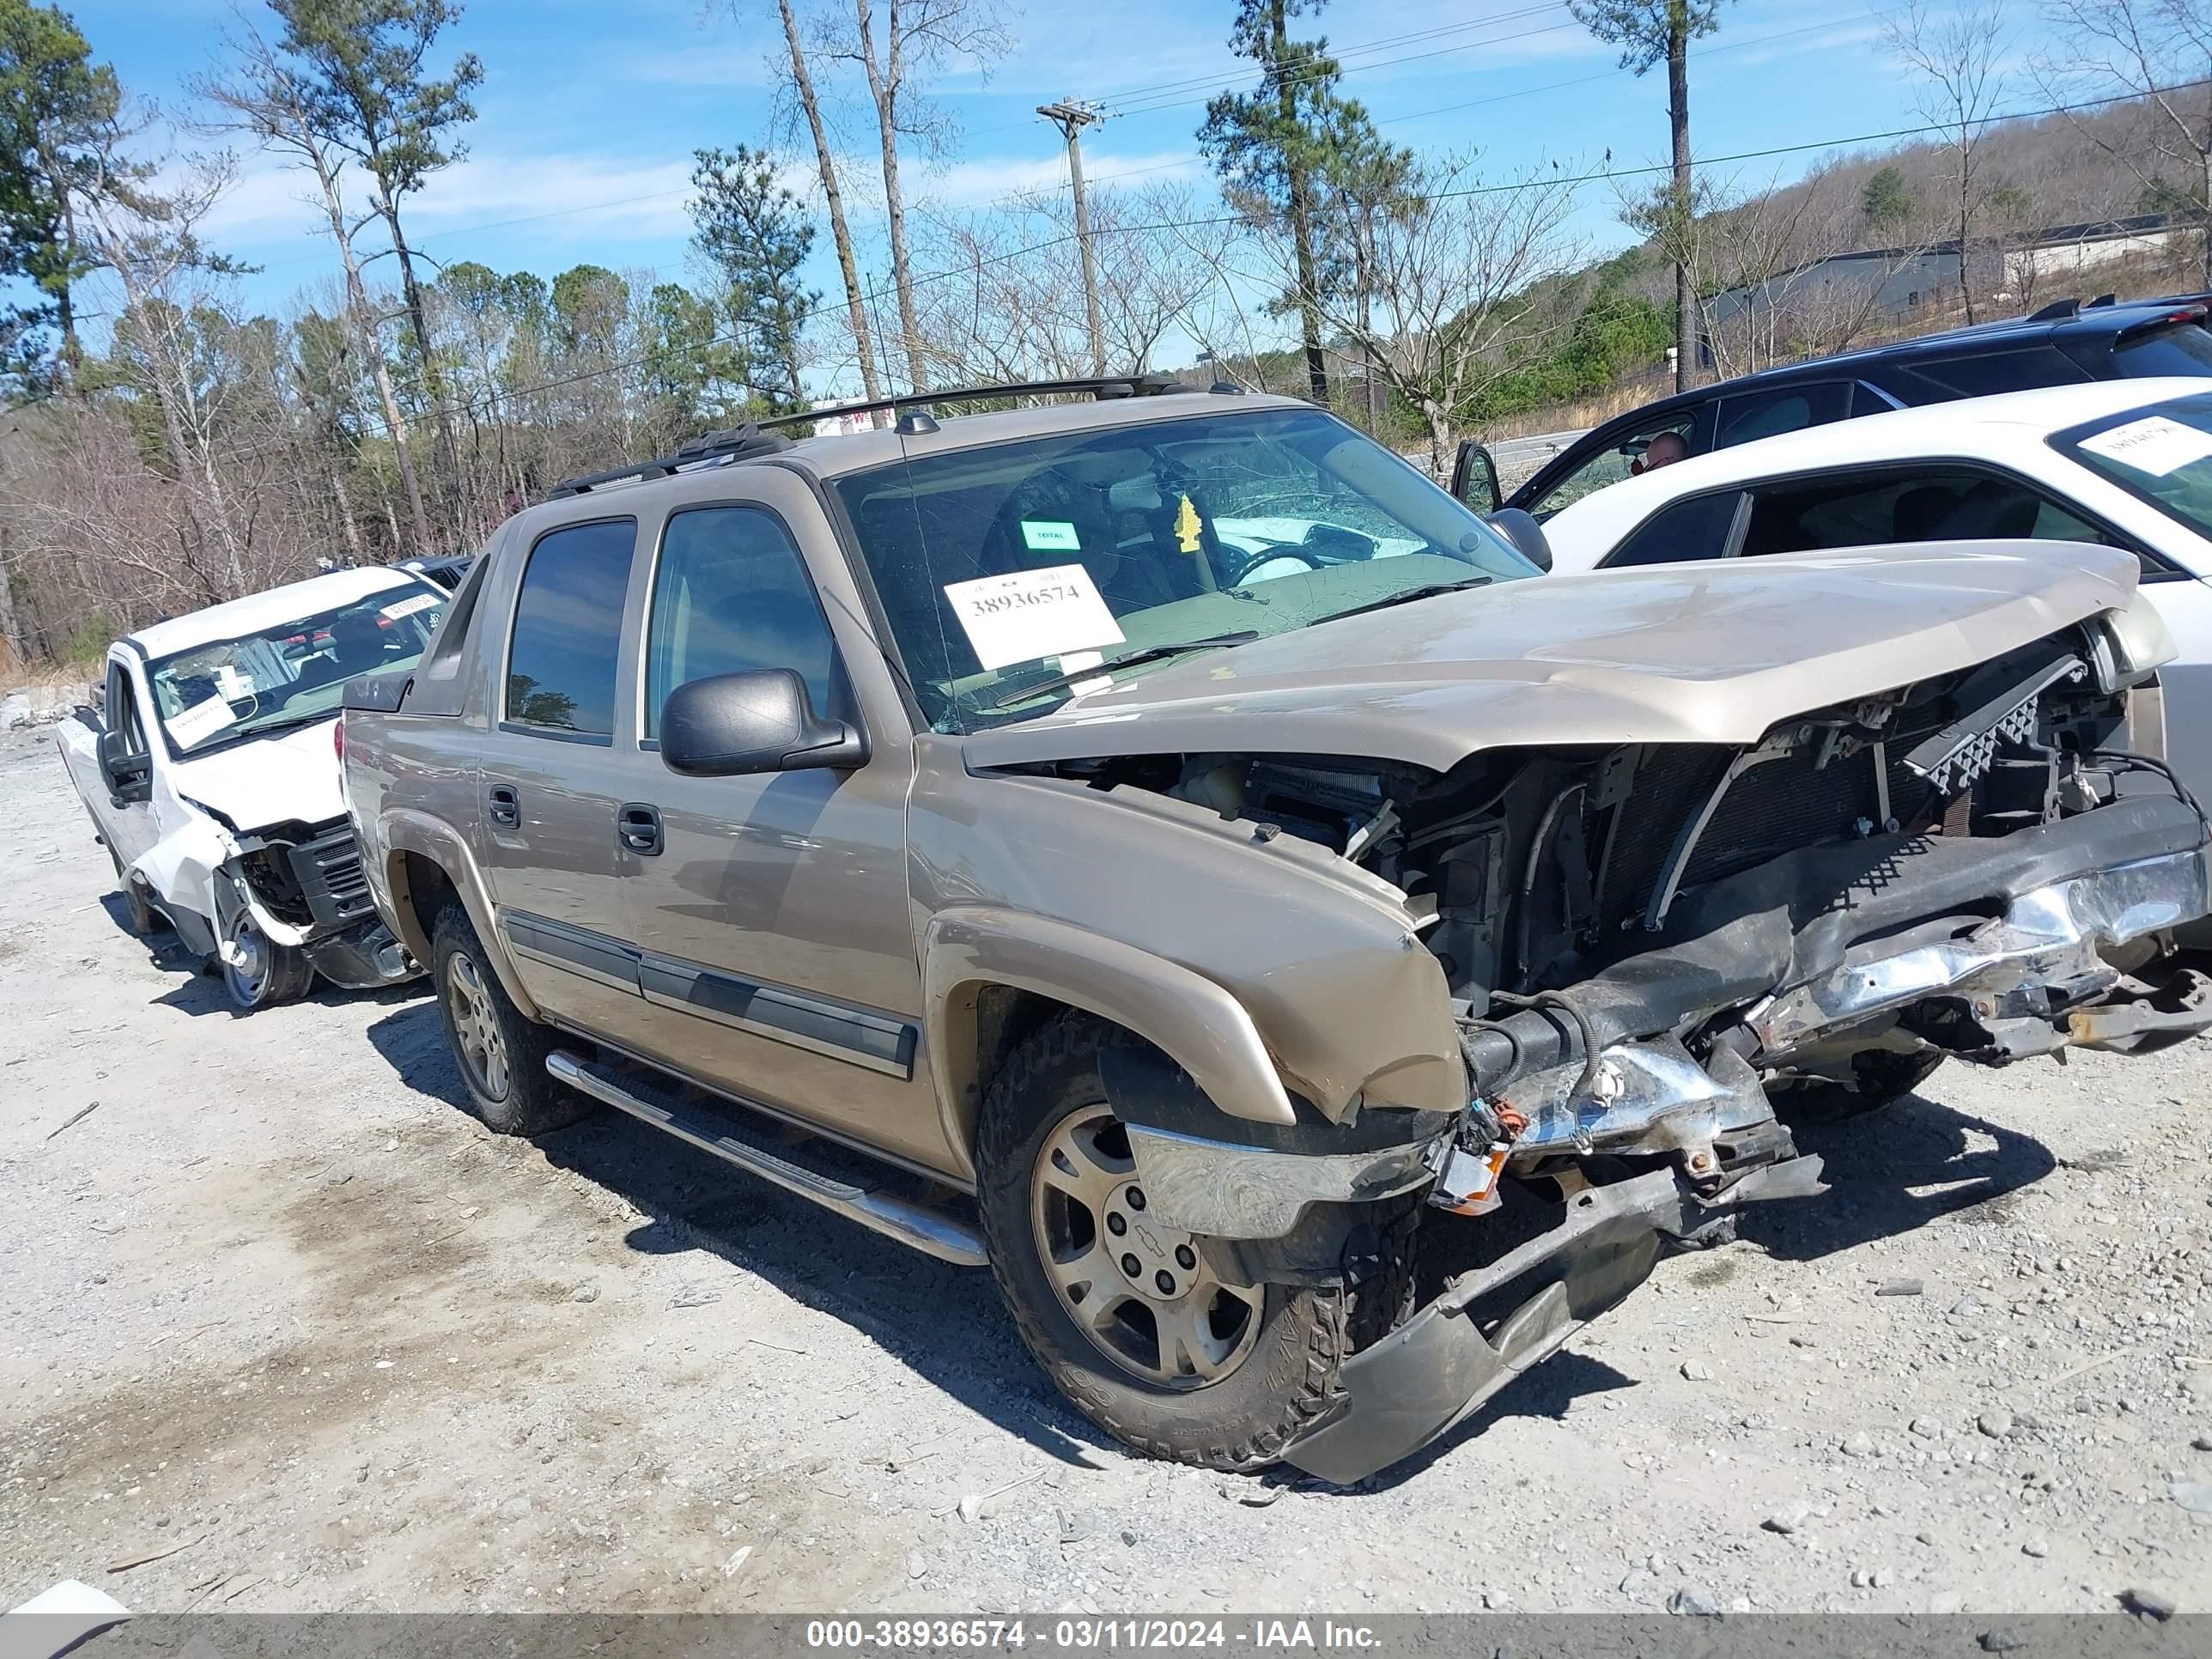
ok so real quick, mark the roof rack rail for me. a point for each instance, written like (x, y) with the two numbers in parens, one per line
(2057, 311)
(733, 443)
(1101, 387)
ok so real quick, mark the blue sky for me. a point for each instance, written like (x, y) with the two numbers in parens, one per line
(589, 111)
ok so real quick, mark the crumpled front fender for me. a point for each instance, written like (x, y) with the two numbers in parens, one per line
(182, 867)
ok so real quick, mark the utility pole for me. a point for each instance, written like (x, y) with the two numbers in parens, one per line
(1071, 116)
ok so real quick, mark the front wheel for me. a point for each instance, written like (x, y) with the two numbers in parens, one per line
(1129, 1318)
(256, 971)
(1880, 1078)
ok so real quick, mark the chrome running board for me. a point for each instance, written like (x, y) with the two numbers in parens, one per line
(931, 1231)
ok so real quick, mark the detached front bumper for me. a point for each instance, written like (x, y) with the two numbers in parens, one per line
(364, 957)
(1443, 1364)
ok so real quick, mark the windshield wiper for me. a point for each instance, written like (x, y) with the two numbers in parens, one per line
(243, 733)
(1134, 658)
(1426, 591)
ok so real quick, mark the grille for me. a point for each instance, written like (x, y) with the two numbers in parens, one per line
(1782, 805)
(1768, 811)
(328, 870)
(1670, 786)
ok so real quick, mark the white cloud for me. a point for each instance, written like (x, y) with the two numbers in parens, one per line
(992, 178)
(562, 197)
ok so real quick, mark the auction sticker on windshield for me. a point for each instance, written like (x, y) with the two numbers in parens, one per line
(1028, 614)
(201, 721)
(408, 606)
(2156, 444)
(1049, 535)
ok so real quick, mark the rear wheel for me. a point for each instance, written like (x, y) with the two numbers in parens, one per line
(501, 1051)
(1130, 1319)
(256, 971)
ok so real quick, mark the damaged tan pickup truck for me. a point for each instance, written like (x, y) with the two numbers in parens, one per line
(1164, 848)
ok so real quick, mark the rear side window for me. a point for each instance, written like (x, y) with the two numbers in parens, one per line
(1750, 415)
(1938, 504)
(732, 594)
(1984, 374)
(568, 629)
(1695, 529)
(2183, 349)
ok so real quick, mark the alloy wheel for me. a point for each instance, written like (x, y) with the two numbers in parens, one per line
(1144, 1294)
(477, 1031)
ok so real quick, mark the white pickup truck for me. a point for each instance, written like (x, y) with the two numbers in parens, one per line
(212, 776)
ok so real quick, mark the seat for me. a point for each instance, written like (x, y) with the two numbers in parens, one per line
(1918, 511)
(1990, 511)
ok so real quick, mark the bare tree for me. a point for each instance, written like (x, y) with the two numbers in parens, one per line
(917, 36)
(798, 83)
(263, 97)
(1959, 57)
(1648, 33)
(1455, 266)
(2156, 51)
(1767, 284)
(1009, 302)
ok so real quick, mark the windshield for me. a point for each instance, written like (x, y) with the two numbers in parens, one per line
(1021, 563)
(291, 673)
(2160, 453)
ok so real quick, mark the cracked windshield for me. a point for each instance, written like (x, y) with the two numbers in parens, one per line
(290, 674)
(1046, 568)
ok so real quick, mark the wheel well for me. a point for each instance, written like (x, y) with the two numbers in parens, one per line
(420, 888)
(999, 1020)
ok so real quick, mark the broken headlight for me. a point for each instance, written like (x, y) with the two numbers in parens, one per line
(2130, 643)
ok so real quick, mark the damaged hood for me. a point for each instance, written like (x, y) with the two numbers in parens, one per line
(1708, 652)
(272, 780)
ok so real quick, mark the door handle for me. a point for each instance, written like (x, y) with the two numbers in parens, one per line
(637, 827)
(504, 805)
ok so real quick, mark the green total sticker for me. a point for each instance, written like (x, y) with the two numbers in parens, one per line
(1049, 535)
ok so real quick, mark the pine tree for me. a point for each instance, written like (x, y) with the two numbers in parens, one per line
(1276, 146)
(757, 235)
(55, 105)
(369, 93)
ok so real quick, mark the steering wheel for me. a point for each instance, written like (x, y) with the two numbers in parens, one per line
(1268, 555)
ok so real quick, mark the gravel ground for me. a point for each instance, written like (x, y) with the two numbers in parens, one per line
(278, 1314)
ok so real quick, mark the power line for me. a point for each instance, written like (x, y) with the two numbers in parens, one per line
(1217, 77)
(1323, 70)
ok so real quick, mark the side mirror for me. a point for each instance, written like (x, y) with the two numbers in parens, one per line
(129, 772)
(761, 720)
(1475, 479)
(1524, 532)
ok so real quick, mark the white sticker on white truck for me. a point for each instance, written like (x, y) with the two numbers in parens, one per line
(1025, 615)
(408, 606)
(200, 722)
(2155, 445)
